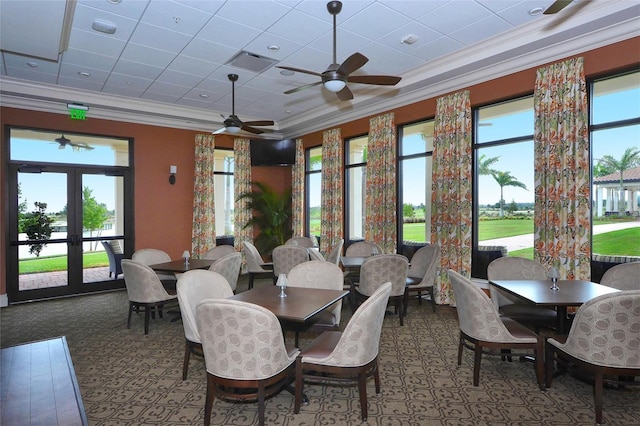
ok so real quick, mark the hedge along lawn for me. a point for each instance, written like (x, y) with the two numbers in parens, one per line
(59, 263)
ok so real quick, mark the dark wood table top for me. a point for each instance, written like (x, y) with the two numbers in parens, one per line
(353, 261)
(571, 293)
(299, 305)
(39, 385)
(180, 266)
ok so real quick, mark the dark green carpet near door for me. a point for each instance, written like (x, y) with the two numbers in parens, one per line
(127, 378)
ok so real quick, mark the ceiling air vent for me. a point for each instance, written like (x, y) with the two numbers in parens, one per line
(251, 61)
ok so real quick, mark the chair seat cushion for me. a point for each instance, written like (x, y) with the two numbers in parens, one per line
(412, 281)
(528, 313)
(322, 345)
(518, 330)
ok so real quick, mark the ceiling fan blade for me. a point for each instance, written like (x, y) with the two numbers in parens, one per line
(557, 6)
(300, 70)
(259, 123)
(306, 86)
(252, 130)
(383, 80)
(352, 63)
(220, 130)
(345, 94)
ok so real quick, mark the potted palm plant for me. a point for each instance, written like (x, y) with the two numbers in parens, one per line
(271, 216)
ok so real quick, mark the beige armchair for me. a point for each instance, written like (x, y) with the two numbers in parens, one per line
(625, 276)
(518, 268)
(317, 274)
(286, 257)
(193, 287)
(218, 252)
(604, 340)
(305, 242)
(145, 290)
(482, 329)
(229, 267)
(380, 269)
(256, 267)
(314, 254)
(363, 249)
(335, 253)
(151, 256)
(243, 362)
(351, 355)
(421, 275)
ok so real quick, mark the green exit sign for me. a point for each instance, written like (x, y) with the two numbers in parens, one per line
(78, 114)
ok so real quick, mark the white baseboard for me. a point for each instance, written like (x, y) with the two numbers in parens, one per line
(4, 300)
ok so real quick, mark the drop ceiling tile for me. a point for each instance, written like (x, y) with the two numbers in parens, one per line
(454, 15)
(260, 45)
(379, 54)
(485, 28)
(147, 55)
(96, 43)
(89, 59)
(436, 48)
(299, 26)
(136, 84)
(179, 78)
(85, 16)
(27, 74)
(82, 84)
(398, 66)
(159, 97)
(369, 22)
(424, 34)
(16, 61)
(347, 42)
(194, 66)
(229, 33)
(319, 9)
(136, 69)
(413, 9)
(130, 9)
(518, 14)
(159, 38)
(209, 51)
(167, 89)
(175, 17)
(73, 71)
(210, 6)
(254, 13)
(127, 92)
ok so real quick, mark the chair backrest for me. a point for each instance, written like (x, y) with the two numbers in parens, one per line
(512, 268)
(305, 242)
(360, 340)
(108, 248)
(314, 254)
(253, 258)
(383, 268)
(229, 267)
(335, 253)
(218, 252)
(241, 340)
(150, 256)
(142, 282)
(424, 263)
(193, 287)
(318, 274)
(625, 276)
(363, 249)
(286, 257)
(477, 316)
(606, 330)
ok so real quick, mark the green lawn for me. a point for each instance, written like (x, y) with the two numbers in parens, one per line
(59, 263)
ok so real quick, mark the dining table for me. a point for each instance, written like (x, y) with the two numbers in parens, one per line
(180, 266)
(569, 293)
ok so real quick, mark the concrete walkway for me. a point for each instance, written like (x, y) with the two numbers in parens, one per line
(525, 241)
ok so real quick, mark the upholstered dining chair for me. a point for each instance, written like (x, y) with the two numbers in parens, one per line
(145, 290)
(244, 353)
(229, 267)
(603, 340)
(482, 327)
(421, 275)
(114, 257)
(363, 249)
(286, 257)
(350, 355)
(335, 253)
(305, 242)
(314, 254)
(519, 268)
(317, 274)
(193, 287)
(380, 269)
(219, 252)
(256, 267)
(151, 256)
(625, 276)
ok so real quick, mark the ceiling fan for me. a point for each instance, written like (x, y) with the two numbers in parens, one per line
(232, 124)
(557, 6)
(77, 146)
(335, 78)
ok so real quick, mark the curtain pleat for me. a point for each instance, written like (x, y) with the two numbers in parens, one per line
(451, 190)
(203, 233)
(332, 187)
(297, 191)
(242, 185)
(562, 177)
(380, 205)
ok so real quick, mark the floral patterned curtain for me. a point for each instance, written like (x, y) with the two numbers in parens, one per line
(380, 204)
(561, 165)
(332, 188)
(203, 233)
(297, 191)
(451, 190)
(242, 185)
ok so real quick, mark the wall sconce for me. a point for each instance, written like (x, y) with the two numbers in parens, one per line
(172, 176)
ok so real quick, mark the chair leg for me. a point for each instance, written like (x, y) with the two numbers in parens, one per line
(362, 390)
(299, 384)
(251, 277)
(405, 301)
(433, 298)
(129, 316)
(261, 403)
(460, 345)
(208, 404)
(539, 366)
(147, 314)
(399, 309)
(185, 363)
(597, 395)
(548, 364)
(476, 364)
(376, 377)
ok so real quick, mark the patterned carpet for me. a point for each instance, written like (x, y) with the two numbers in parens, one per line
(127, 378)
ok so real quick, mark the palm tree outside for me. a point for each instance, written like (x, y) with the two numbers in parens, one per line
(608, 164)
(505, 179)
(485, 163)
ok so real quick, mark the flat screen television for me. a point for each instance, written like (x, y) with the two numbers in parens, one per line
(273, 152)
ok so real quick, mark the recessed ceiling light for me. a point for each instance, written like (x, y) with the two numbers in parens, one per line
(536, 11)
(32, 64)
(287, 72)
(273, 48)
(84, 74)
(114, 1)
(203, 95)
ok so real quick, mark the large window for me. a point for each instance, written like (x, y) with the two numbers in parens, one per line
(505, 177)
(615, 150)
(313, 175)
(415, 168)
(223, 191)
(355, 178)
